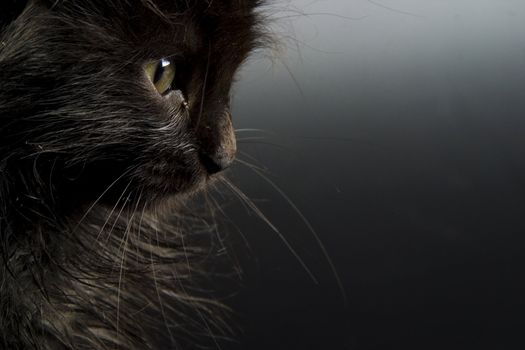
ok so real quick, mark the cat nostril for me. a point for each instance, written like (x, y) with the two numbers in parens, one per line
(214, 164)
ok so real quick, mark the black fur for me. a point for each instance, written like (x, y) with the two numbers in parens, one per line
(94, 164)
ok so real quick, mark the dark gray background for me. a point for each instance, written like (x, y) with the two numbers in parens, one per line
(398, 131)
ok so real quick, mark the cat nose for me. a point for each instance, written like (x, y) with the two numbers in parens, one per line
(217, 142)
(217, 162)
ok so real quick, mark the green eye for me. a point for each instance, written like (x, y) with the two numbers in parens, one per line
(162, 75)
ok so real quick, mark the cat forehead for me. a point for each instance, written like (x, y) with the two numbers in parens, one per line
(192, 24)
(164, 10)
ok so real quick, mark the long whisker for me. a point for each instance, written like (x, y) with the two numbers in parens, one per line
(112, 211)
(253, 130)
(185, 252)
(283, 147)
(301, 14)
(101, 196)
(249, 156)
(122, 261)
(260, 214)
(310, 228)
(378, 4)
(212, 203)
(119, 214)
(250, 138)
(213, 218)
(204, 85)
(250, 165)
(161, 304)
(231, 222)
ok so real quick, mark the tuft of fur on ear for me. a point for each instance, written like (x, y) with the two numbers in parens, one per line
(10, 10)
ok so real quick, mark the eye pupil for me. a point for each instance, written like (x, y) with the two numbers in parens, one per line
(159, 71)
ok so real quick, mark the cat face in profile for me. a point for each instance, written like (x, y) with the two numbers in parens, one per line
(103, 100)
(131, 92)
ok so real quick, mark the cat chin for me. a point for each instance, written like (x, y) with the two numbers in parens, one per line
(180, 185)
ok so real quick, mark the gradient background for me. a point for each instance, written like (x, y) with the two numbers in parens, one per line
(401, 139)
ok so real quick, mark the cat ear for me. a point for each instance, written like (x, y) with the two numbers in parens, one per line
(10, 10)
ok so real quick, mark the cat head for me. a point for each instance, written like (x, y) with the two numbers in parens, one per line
(115, 93)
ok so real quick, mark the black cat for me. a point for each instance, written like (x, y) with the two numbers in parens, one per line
(111, 113)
